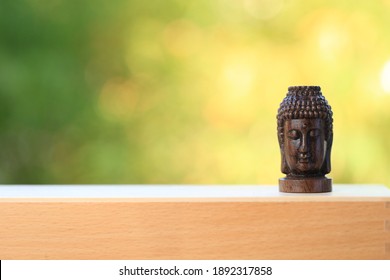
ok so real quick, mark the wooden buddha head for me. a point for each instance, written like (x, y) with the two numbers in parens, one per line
(305, 133)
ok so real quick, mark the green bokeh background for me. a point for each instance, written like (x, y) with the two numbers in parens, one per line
(186, 91)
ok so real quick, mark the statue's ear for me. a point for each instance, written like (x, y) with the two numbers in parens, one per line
(326, 166)
(284, 168)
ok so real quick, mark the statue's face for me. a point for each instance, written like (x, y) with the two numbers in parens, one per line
(304, 145)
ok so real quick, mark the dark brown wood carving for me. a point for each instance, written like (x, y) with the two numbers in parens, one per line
(305, 134)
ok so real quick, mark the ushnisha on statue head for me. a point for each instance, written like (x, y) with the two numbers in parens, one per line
(305, 134)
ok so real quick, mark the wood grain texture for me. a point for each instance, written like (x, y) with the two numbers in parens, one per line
(305, 185)
(115, 229)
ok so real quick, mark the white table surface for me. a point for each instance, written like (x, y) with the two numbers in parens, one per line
(251, 192)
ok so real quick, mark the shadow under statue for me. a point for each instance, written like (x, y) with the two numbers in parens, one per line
(305, 134)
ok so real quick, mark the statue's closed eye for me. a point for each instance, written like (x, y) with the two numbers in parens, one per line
(293, 134)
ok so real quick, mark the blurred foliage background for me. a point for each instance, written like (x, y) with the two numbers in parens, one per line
(186, 92)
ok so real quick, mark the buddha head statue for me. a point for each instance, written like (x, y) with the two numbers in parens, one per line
(305, 132)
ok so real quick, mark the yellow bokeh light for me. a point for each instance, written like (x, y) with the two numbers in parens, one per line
(333, 41)
(327, 35)
(385, 77)
(238, 75)
(238, 78)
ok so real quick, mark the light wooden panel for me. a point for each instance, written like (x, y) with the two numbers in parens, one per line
(128, 228)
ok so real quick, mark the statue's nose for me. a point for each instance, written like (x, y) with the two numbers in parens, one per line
(303, 146)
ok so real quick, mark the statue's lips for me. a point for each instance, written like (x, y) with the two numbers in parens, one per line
(303, 160)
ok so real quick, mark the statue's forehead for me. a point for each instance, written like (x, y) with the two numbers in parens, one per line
(304, 123)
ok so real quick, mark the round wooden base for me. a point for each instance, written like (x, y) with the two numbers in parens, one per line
(305, 185)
